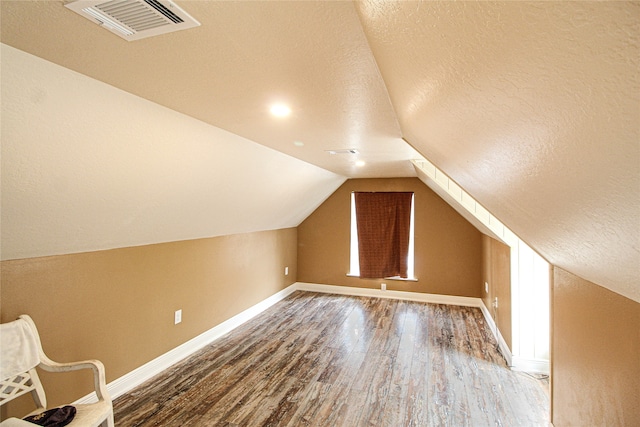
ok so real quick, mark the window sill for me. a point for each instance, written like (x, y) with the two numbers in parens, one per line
(398, 278)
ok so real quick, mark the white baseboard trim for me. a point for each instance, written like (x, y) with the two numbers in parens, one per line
(502, 344)
(515, 362)
(536, 366)
(139, 375)
(129, 381)
(378, 293)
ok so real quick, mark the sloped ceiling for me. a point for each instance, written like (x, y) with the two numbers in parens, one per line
(228, 71)
(86, 167)
(532, 108)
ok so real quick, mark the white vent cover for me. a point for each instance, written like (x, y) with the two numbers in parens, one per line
(135, 19)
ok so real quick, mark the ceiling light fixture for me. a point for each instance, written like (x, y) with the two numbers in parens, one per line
(280, 110)
(360, 163)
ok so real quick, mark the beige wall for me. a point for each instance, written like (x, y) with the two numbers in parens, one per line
(448, 250)
(117, 305)
(595, 355)
(496, 271)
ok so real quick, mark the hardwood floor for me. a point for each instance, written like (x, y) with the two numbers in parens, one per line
(331, 360)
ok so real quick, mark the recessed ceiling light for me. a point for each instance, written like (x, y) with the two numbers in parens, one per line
(280, 110)
(360, 163)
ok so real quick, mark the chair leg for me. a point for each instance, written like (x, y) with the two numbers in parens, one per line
(108, 422)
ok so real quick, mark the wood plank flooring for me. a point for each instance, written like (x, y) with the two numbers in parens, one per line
(332, 360)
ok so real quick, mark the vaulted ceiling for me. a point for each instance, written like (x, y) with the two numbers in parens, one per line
(532, 107)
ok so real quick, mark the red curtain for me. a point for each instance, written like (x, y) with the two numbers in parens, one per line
(383, 233)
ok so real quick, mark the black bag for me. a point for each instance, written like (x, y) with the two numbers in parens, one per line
(57, 417)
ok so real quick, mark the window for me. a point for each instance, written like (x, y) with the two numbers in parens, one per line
(385, 248)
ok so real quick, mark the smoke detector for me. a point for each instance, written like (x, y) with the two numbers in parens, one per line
(135, 19)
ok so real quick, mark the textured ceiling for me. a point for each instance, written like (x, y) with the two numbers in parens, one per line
(532, 107)
(88, 167)
(227, 72)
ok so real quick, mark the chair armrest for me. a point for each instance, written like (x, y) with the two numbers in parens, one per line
(99, 377)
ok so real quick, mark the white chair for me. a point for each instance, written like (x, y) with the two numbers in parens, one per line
(21, 352)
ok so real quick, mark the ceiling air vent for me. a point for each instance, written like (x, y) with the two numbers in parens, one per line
(135, 19)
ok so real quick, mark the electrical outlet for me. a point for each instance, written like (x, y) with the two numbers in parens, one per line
(177, 317)
(486, 287)
(383, 286)
(286, 271)
(495, 303)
